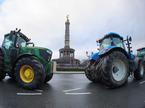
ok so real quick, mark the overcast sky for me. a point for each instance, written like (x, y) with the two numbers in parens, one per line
(43, 21)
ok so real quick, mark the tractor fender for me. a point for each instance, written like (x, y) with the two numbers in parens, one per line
(110, 49)
(94, 56)
(106, 51)
(21, 56)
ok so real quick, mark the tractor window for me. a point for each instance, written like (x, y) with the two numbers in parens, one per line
(20, 42)
(7, 43)
(105, 43)
(117, 42)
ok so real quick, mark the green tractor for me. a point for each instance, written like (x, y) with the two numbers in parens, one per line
(141, 54)
(30, 66)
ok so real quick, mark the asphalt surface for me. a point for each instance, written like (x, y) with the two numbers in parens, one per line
(72, 91)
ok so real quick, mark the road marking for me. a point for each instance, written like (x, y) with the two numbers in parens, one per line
(71, 89)
(142, 82)
(87, 93)
(29, 94)
(39, 90)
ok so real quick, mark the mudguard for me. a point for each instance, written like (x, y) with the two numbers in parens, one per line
(107, 50)
(94, 56)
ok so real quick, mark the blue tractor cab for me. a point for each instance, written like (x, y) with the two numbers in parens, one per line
(114, 62)
(113, 41)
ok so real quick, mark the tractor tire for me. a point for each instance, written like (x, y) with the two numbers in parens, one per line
(140, 71)
(114, 69)
(2, 73)
(48, 77)
(92, 72)
(11, 74)
(29, 73)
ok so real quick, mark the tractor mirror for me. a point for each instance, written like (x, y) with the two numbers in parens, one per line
(130, 39)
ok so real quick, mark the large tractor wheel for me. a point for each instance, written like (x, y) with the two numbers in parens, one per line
(48, 77)
(29, 73)
(92, 72)
(115, 69)
(2, 74)
(140, 71)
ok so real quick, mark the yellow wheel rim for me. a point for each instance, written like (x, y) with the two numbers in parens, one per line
(26, 74)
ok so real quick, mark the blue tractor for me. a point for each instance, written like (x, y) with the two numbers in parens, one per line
(113, 64)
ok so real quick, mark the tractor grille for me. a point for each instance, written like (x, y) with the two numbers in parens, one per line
(45, 55)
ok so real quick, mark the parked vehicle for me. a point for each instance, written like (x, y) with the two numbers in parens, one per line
(113, 64)
(30, 66)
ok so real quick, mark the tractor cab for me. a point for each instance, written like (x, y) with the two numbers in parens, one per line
(15, 39)
(14, 42)
(111, 39)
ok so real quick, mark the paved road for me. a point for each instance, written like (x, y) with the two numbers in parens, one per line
(72, 91)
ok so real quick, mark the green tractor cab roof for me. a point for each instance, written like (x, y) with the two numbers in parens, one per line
(141, 49)
(18, 33)
(112, 35)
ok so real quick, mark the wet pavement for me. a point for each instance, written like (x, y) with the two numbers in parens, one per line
(72, 91)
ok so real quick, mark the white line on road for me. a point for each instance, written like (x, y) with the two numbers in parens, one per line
(71, 89)
(29, 94)
(39, 90)
(87, 93)
(142, 82)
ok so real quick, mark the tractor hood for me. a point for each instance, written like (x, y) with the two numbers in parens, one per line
(40, 52)
(37, 48)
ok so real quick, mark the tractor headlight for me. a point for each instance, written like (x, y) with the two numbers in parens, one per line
(49, 52)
